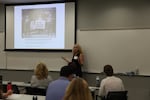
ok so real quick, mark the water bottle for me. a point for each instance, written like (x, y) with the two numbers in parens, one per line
(74, 76)
(34, 98)
(9, 86)
(136, 71)
(97, 81)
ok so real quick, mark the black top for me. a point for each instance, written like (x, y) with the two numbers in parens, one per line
(75, 59)
(77, 65)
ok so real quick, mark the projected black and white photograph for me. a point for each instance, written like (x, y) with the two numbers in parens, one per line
(39, 22)
(41, 26)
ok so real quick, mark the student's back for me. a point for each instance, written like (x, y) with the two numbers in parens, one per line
(110, 83)
(40, 77)
(57, 88)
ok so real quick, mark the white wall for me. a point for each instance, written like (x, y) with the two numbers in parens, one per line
(2, 54)
(29, 60)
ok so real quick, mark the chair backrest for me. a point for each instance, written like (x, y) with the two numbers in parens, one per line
(15, 89)
(35, 91)
(1, 82)
(117, 95)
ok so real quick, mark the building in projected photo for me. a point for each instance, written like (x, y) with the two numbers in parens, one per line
(40, 22)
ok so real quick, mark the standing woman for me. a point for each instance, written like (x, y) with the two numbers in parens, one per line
(77, 60)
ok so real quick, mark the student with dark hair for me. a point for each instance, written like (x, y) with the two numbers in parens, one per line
(110, 83)
(57, 88)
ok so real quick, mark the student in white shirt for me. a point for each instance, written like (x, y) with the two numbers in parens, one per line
(110, 83)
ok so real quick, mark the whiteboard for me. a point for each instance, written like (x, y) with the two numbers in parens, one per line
(125, 50)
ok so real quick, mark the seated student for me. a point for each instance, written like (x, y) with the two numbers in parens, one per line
(41, 77)
(5, 95)
(78, 89)
(110, 83)
(57, 88)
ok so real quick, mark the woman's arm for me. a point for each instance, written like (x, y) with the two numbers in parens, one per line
(64, 58)
(5, 95)
(81, 59)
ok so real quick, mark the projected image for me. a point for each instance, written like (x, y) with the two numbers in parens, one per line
(40, 26)
(39, 22)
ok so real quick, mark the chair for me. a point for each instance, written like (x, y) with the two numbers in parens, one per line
(15, 89)
(35, 91)
(114, 95)
(117, 95)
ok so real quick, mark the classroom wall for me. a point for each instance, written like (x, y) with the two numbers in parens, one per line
(113, 14)
(2, 18)
(95, 16)
(114, 32)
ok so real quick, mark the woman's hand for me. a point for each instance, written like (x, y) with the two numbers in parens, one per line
(9, 92)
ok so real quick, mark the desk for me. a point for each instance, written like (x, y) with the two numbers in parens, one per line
(94, 91)
(20, 84)
(23, 88)
(92, 88)
(23, 97)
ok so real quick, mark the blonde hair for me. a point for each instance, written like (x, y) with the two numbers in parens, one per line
(41, 71)
(78, 90)
(79, 48)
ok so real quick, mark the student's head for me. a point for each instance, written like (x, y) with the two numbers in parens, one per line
(41, 71)
(78, 89)
(77, 48)
(67, 71)
(108, 70)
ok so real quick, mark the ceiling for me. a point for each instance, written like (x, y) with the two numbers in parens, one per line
(24, 1)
